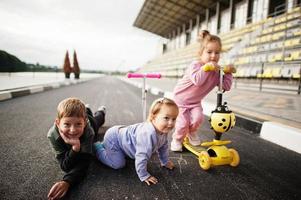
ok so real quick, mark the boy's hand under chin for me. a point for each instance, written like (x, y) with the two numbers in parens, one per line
(76, 145)
(74, 142)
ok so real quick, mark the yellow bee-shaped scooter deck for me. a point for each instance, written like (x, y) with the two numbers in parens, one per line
(193, 149)
(215, 154)
(221, 120)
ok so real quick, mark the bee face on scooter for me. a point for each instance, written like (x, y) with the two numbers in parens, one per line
(222, 119)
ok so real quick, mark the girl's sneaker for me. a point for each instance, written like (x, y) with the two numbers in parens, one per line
(194, 139)
(176, 145)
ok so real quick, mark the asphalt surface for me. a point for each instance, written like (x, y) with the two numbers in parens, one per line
(28, 167)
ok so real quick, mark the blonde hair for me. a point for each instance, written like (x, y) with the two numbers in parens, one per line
(205, 37)
(157, 105)
(71, 107)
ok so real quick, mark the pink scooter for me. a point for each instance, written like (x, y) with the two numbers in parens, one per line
(144, 91)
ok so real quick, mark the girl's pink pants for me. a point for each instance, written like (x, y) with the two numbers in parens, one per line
(188, 121)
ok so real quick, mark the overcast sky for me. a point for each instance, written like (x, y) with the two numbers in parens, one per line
(101, 32)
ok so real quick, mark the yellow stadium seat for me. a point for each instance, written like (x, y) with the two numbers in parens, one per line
(278, 57)
(295, 42)
(296, 72)
(267, 73)
(296, 76)
(296, 55)
(287, 43)
(265, 31)
(298, 32)
(259, 75)
(292, 42)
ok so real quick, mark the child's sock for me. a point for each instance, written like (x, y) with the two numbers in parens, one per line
(98, 146)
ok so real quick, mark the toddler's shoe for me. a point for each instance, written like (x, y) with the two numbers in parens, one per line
(102, 108)
(176, 145)
(194, 139)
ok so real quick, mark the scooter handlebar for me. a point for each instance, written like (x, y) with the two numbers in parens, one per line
(149, 75)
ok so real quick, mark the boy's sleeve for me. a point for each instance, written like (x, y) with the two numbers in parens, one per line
(74, 164)
(144, 149)
(78, 172)
(68, 159)
(64, 154)
(57, 145)
(163, 153)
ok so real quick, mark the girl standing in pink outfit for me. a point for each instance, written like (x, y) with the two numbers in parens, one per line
(194, 86)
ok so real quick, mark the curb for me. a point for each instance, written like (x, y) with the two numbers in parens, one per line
(285, 136)
(14, 93)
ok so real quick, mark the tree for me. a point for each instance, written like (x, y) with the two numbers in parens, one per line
(76, 69)
(10, 63)
(67, 67)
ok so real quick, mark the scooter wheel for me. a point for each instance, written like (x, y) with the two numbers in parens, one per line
(204, 160)
(235, 157)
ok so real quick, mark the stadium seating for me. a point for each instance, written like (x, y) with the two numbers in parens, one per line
(268, 49)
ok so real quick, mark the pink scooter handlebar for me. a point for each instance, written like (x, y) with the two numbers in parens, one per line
(150, 75)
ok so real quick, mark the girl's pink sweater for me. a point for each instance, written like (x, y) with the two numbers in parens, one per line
(196, 84)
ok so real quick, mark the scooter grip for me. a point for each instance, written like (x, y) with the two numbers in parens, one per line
(153, 75)
(137, 75)
(229, 69)
(208, 67)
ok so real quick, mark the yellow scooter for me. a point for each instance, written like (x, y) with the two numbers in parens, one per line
(222, 120)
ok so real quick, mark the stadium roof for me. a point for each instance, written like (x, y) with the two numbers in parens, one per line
(161, 17)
